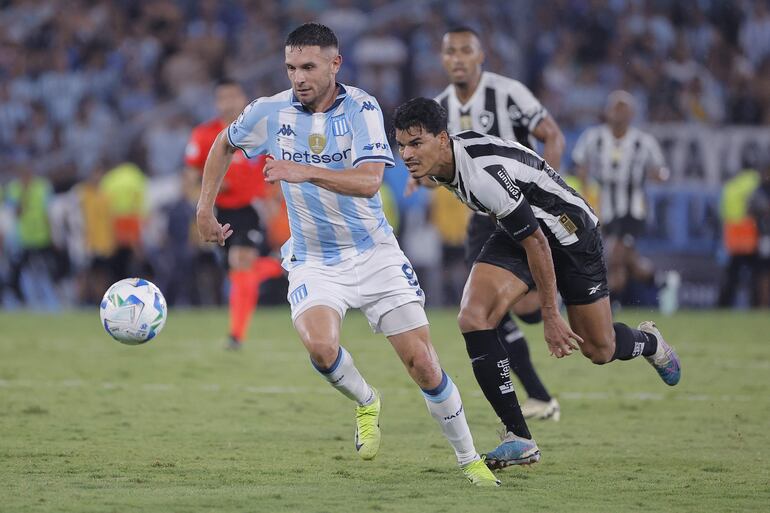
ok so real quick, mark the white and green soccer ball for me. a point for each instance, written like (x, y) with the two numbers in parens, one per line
(133, 311)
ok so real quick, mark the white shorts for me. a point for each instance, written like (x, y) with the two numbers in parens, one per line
(376, 282)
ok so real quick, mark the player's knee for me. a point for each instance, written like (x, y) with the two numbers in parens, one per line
(599, 354)
(601, 357)
(323, 353)
(424, 364)
(473, 318)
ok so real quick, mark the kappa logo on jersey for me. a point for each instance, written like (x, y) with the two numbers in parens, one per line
(378, 146)
(297, 295)
(367, 106)
(286, 131)
(339, 126)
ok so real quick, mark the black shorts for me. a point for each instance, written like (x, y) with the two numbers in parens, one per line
(480, 229)
(246, 226)
(625, 226)
(581, 272)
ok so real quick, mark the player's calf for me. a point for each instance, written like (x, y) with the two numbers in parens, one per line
(423, 366)
(446, 406)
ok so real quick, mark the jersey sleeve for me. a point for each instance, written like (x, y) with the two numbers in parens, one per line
(579, 152)
(195, 152)
(497, 191)
(525, 110)
(370, 143)
(521, 222)
(248, 132)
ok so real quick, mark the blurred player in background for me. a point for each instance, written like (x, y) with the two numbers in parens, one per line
(238, 204)
(621, 158)
(546, 235)
(329, 152)
(504, 107)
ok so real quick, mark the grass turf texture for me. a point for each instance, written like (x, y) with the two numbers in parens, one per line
(87, 424)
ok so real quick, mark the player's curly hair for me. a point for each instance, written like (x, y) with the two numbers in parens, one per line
(312, 34)
(421, 112)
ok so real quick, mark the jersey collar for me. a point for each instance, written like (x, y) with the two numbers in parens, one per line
(341, 95)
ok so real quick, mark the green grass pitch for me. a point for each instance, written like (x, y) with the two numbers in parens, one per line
(90, 425)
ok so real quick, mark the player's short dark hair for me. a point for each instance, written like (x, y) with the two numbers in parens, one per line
(421, 112)
(461, 29)
(312, 34)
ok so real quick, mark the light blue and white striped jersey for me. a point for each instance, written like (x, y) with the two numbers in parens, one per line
(325, 226)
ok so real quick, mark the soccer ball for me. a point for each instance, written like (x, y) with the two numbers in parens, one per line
(133, 311)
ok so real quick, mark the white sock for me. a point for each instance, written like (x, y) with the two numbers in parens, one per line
(344, 376)
(446, 406)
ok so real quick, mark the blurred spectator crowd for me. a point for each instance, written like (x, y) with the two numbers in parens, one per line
(98, 98)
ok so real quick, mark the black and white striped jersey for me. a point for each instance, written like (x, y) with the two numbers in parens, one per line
(500, 106)
(620, 166)
(497, 176)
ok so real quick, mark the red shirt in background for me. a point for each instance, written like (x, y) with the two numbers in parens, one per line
(244, 180)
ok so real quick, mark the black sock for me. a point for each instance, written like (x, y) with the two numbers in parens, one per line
(630, 343)
(492, 371)
(518, 354)
(531, 318)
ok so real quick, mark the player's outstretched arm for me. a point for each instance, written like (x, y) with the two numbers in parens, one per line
(558, 335)
(521, 225)
(549, 133)
(363, 180)
(218, 161)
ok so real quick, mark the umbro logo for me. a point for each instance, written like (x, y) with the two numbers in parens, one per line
(367, 106)
(594, 290)
(286, 130)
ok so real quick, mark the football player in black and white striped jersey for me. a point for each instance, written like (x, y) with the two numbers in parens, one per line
(496, 105)
(546, 236)
(622, 159)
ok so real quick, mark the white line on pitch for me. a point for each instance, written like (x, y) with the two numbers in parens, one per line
(285, 390)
